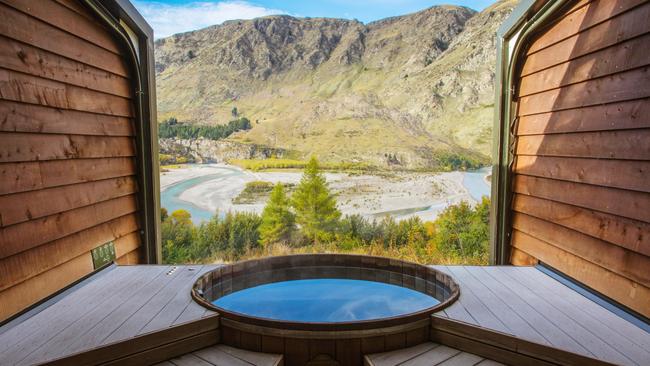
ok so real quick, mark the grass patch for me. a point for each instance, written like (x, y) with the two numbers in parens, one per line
(275, 163)
(257, 191)
(171, 166)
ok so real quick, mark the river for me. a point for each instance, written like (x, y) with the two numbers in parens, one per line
(213, 184)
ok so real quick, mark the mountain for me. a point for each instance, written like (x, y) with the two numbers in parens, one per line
(416, 86)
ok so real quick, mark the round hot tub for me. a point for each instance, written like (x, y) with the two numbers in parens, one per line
(324, 305)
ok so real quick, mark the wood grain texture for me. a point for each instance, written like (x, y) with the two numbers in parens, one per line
(580, 19)
(621, 261)
(630, 234)
(47, 256)
(68, 20)
(26, 293)
(521, 258)
(628, 85)
(32, 31)
(631, 174)
(30, 234)
(629, 204)
(30, 89)
(31, 176)
(21, 117)
(614, 59)
(25, 206)
(607, 117)
(27, 59)
(627, 144)
(610, 32)
(15, 147)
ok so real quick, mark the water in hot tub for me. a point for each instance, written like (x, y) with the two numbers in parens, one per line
(326, 300)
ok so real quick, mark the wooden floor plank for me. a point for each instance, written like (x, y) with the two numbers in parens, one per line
(462, 359)
(403, 355)
(98, 334)
(255, 358)
(11, 338)
(476, 308)
(41, 328)
(613, 322)
(192, 311)
(134, 324)
(516, 324)
(189, 360)
(217, 357)
(456, 310)
(489, 363)
(57, 346)
(566, 325)
(577, 331)
(620, 343)
(551, 332)
(432, 357)
(174, 308)
(166, 363)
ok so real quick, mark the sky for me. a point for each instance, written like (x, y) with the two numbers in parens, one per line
(168, 17)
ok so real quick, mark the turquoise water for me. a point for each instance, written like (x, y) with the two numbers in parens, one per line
(170, 196)
(474, 182)
(326, 300)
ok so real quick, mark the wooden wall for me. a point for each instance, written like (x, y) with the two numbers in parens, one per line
(67, 167)
(582, 156)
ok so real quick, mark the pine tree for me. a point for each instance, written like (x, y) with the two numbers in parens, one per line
(278, 222)
(315, 206)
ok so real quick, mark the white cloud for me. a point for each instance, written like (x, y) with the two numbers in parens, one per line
(167, 19)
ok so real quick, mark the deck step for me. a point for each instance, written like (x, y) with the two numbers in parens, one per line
(429, 354)
(222, 355)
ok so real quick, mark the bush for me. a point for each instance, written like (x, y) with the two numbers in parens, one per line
(230, 237)
(259, 186)
(254, 192)
(463, 231)
(178, 237)
(449, 161)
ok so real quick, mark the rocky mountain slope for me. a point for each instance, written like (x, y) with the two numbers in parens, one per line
(415, 86)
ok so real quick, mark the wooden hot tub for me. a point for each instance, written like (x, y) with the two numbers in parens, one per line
(344, 341)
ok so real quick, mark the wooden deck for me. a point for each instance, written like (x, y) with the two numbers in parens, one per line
(123, 303)
(427, 354)
(221, 355)
(527, 303)
(130, 301)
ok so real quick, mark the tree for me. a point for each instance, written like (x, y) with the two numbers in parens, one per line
(278, 222)
(462, 230)
(234, 112)
(178, 236)
(315, 206)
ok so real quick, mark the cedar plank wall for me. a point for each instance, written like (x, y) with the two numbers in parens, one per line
(67, 168)
(581, 191)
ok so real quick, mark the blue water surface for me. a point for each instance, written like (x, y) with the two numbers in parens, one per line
(170, 197)
(326, 300)
(474, 182)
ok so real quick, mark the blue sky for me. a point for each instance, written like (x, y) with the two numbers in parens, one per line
(174, 16)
